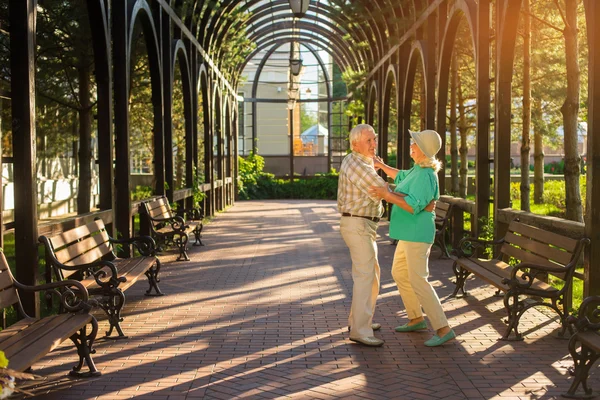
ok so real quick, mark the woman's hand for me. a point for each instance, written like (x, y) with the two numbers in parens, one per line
(379, 191)
(378, 163)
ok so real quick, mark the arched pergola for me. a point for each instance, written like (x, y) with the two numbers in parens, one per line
(383, 40)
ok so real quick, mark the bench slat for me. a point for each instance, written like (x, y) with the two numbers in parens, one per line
(8, 292)
(159, 208)
(493, 271)
(75, 234)
(544, 236)
(16, 327)
(132, 269)
(540, 249)
(40, 338)
(85, 251)
(590, 338)
(441, 209)
(532, 258)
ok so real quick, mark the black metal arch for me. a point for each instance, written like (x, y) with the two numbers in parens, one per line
(373, 96)
(343, 61)
(417, 53)
(463, 10)
(288, 40)
(319, 22)
(328, 78)
(390, 80)
(315, 7)
(286, 26)
(328, 12)
(204, 89)
(100, 31)
(179, 57)
(140, 10)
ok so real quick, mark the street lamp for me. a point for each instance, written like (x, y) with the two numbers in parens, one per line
(299, 7)
(295, 66)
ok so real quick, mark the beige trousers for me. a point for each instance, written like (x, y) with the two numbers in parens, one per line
(359, 235)
(410, 270)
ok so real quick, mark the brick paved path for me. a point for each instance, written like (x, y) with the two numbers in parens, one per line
(261, 312)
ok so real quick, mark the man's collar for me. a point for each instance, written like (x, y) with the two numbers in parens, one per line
(368, 160)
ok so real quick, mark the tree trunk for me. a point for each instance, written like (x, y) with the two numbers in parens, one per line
(462, 127)
(453, 128)
(538, 152)
(179, 164)
(85, 141)
(538, 137)
(570, 111)
(525, 142)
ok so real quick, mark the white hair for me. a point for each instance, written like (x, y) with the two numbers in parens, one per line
(357, 131)
(432, 162)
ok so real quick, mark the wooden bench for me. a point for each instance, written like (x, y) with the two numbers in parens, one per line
(86, 253)
(443, 212)
(30, 339)
(584, 345)
(533, 253)
(169, 228)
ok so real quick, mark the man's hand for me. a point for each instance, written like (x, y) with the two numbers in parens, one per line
(379, 191)
(431, 206)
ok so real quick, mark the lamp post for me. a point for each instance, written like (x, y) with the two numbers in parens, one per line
(299, 7)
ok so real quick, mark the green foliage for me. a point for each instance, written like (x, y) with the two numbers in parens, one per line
(392, 159)
(250, 169)
(235, 46)
(353, 78)
(486, 232)
(553, 196)
(141, 192)
(555, 167)
(322, 186)
(198, 195)
(307, 118)
(254, 184)
(339, 87)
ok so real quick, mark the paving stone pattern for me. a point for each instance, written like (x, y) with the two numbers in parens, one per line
(261, 312)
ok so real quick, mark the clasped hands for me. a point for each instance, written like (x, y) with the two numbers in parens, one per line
(379, 191)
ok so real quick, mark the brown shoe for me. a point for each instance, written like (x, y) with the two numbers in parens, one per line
(369, 341)
(375, 326)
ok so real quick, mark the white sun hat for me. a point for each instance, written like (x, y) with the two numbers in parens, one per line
(429, 141)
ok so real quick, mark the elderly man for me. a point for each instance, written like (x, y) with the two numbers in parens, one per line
(358, 226)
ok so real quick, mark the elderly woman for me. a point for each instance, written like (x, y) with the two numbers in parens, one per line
(414, 228)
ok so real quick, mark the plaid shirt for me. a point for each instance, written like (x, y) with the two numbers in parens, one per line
(357, 174)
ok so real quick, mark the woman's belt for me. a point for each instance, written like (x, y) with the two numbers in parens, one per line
(374, 219)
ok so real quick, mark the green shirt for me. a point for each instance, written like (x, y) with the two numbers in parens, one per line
(420, 185)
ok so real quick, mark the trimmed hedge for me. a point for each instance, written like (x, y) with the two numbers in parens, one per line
(254, 184)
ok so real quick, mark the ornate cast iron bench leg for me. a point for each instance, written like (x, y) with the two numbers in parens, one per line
(584, 360)
(85, 348)
(198, 235)
(461, 278)
(180, 240)
(514, 311)
(112, 305)
(153, 279)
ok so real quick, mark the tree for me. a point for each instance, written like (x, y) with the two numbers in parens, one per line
(570, 111)
(64, 79)
(307, 118)
(526, 108)
(453, 127)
